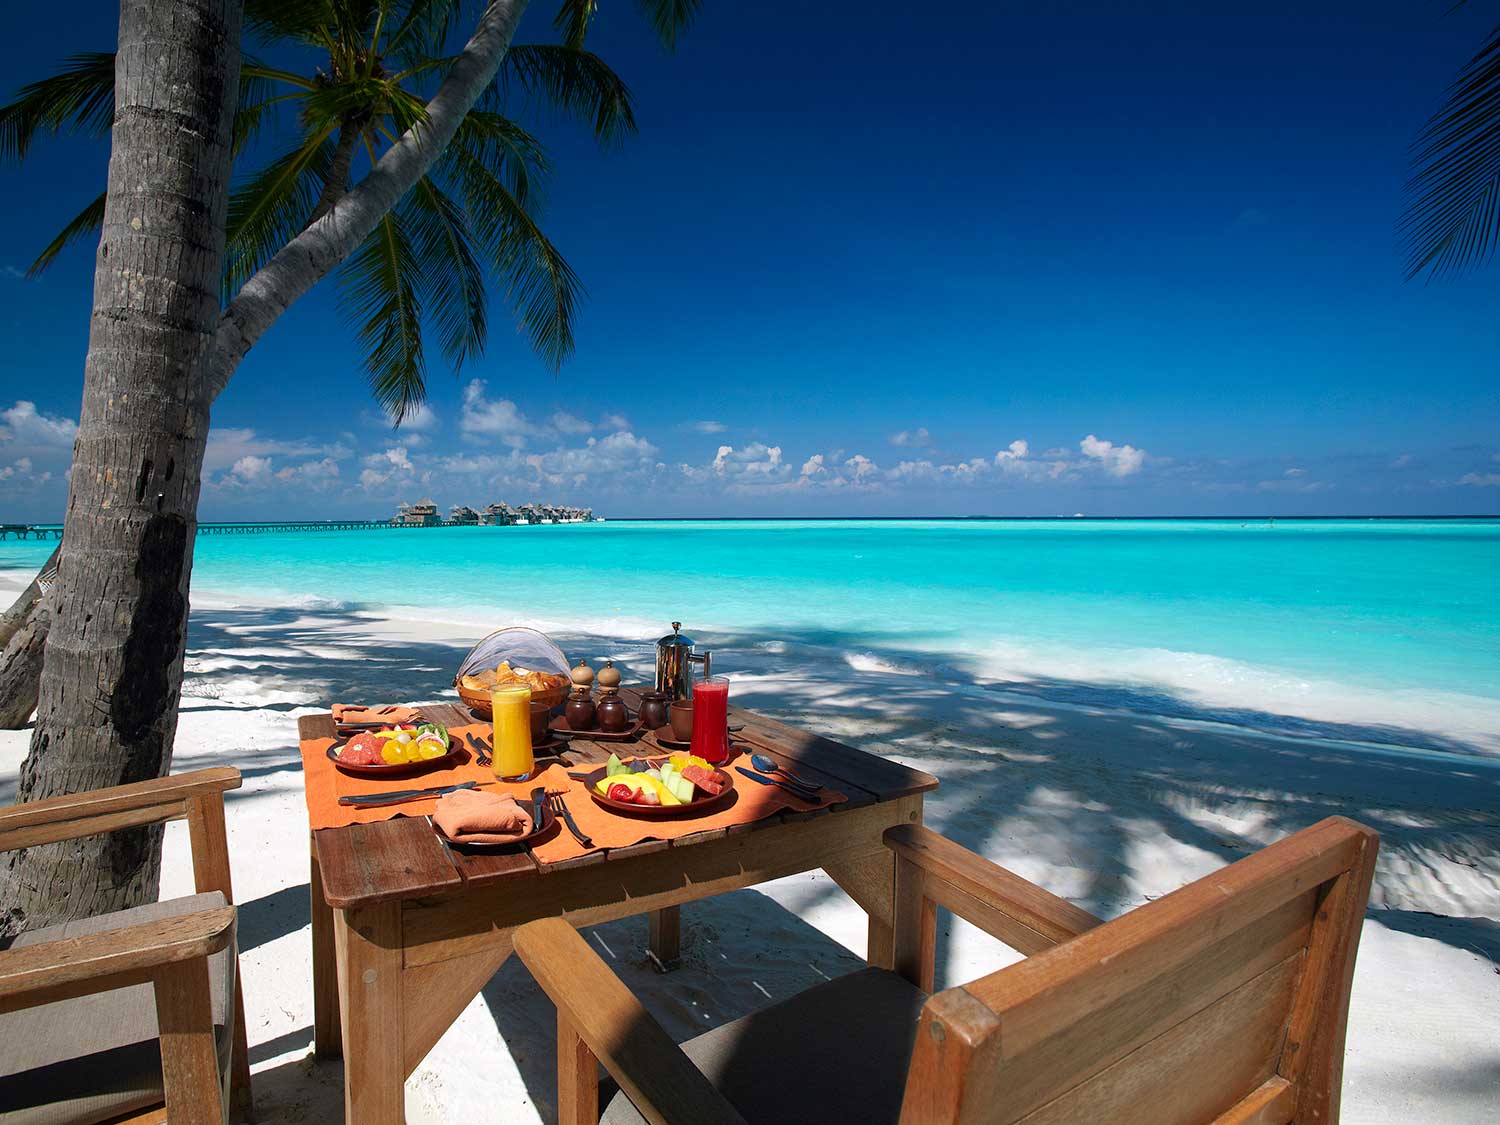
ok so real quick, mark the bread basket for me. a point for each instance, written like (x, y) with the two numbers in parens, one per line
(519, 648)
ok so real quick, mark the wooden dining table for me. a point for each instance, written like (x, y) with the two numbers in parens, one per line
(407, 931)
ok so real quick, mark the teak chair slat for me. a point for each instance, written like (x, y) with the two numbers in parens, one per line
(1223, 1002)
(171, 953)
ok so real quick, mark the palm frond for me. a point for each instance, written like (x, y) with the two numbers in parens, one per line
(571, 81)
(380, 283)
(511, 154)
(573, 19)
(80, 96)
(422, 29)
(542, 288)
(269, 208)
(1451, 222)
(668, 17)
(454, 292)
(287, 20)
(86, 222)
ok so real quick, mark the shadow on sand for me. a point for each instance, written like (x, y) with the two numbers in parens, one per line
(1133, 765)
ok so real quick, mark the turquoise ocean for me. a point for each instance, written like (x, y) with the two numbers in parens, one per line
(1385, 624)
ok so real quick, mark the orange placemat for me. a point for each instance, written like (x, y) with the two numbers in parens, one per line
(325, 783)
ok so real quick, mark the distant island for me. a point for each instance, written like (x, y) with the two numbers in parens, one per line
(424, 513)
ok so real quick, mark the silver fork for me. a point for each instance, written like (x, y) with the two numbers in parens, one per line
(559, 807)
(480, 752)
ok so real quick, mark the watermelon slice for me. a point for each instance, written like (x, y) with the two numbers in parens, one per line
(711, 781)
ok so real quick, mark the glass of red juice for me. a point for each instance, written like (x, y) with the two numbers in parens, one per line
(711, 720)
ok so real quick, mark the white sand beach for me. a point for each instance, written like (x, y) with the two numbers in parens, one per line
(1107, 805)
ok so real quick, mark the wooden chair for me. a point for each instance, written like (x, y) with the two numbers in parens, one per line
(135, 1016)
(1225, 1002)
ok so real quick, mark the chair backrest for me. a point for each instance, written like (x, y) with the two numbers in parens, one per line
(1225, 1001)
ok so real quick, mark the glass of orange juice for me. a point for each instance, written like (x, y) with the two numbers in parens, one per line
(513, 760)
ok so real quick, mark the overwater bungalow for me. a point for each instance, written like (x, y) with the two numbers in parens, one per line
(463, 514)
(424, 513)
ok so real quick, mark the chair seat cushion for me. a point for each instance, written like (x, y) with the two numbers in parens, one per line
(91, 1058)
(837, 1052)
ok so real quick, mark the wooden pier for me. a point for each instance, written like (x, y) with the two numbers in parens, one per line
(54, 530)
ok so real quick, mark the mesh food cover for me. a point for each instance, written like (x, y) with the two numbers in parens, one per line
(514, 655)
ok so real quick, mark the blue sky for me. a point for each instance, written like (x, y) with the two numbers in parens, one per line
(876, 259)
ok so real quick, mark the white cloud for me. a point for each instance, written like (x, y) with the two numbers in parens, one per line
(861, 468)
(615, 422)
(396, 456)
(497, 418)
(325, 470)
(24, 425)
(1402, 462)
(250, 469)
(754, 460)
(914, 438)
(226, 446)
(1012, 455)
(618, 452)
(705, 426)
(1481, 480)
(813, 467)
(1117, 460)
(565, 423)
(420, 418)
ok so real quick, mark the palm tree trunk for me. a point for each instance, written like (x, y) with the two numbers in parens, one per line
(26, 601)
(21, 666)
(23, 632)
(338, 172)
(112, 671)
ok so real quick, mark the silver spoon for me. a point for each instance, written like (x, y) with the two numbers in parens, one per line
(769, 765)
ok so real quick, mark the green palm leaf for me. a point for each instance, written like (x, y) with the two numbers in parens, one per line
(668, 17)
(454, 281)
(571, 81)
(86, 222)
(542, 288)
(1452, 218)
(511, 154)
(81, 95)
(379, 286)
(573, 19)
(271, 207)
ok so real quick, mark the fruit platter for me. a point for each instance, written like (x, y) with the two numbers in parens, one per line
(669, 786)
(398, 748)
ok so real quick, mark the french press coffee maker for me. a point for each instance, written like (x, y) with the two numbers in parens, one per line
(674, 665)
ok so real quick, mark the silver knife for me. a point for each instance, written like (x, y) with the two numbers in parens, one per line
(810, 798)
(399, 796)
(538, 804)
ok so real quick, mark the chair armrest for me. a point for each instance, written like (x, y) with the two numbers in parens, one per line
(1000, 902)
(71, 966)
(107, 810)
(652, 1070)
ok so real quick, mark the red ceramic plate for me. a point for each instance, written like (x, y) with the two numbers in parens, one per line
(546, 826)
(653, 810)
(403, 769)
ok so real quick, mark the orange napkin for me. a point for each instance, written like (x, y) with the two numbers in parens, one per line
(354, 713)
(468, 816)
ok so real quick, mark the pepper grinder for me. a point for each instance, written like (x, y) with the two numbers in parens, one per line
(613, 715)
(580, 708)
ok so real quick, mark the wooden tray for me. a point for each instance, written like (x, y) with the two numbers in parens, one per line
(559, 726)
(654, 810)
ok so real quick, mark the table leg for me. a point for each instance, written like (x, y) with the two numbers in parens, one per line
(666, 937)
(368, 941)
(870, 880)
(326, 1041)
